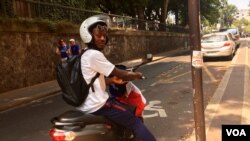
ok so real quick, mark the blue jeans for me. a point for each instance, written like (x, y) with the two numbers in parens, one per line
(120, 114)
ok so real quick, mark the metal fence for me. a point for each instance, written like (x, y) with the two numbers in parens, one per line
(58, 10)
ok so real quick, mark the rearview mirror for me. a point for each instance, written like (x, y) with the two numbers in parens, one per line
(148, 58)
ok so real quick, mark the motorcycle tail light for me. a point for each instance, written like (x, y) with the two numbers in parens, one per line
(227, 44)
(62, 136)
(108, 126)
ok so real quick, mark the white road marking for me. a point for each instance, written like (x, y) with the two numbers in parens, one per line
(153, 84)
(213, 79)
(158, 110)
(143, 90)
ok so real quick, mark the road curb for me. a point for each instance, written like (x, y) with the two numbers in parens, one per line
(16, 103)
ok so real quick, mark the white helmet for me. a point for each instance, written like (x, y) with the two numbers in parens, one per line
(84, 28)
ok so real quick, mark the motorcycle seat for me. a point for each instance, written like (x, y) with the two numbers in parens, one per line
(74, 117)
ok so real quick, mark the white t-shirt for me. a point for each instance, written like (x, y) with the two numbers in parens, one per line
(93, 61)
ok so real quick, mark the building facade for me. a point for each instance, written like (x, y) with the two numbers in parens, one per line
(243, 13)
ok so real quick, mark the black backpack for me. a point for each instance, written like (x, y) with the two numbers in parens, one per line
(70, 79)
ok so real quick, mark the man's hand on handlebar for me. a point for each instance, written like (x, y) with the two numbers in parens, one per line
(117, 80)
(140, 75)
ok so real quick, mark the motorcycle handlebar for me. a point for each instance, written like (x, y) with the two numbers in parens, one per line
(134, 68)
(146, 60)
(143, 77)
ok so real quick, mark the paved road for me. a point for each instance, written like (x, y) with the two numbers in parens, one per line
(168, 90)
(171, 90)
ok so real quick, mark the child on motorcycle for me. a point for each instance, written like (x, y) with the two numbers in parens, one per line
(128, 93)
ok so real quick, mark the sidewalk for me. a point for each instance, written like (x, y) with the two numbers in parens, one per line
(230, 103)
(15, 98)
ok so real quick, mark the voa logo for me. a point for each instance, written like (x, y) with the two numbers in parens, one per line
(236, 132)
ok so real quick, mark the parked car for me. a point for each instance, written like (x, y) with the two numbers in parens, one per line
(220, 44)
(245, 35)
(235, 32)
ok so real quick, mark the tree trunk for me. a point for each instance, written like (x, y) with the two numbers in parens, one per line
(186, 21)
(164, 14)
(140, 12)
(176, 17)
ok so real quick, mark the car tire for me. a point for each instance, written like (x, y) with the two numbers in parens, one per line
(230, 57)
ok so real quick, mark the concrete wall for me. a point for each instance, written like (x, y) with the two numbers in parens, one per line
(28, 58)
(127, 45)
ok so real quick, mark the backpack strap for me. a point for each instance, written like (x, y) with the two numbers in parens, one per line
(93, 80)
(96, 76)
(83, 50)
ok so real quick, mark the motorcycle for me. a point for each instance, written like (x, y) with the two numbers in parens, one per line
(76, 125)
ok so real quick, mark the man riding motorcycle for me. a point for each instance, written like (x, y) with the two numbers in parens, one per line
(93, 32)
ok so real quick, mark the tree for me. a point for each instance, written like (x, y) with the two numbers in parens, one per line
(249, 8)
(210, 10)
(164, 9)
(179, 8)
(229, 11)
(243, 24)
(147, 9)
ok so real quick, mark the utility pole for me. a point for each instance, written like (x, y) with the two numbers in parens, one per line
(197, 63)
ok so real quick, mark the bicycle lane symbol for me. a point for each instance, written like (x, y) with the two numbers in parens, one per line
(156, 108)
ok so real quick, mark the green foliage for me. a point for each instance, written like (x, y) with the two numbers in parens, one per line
(242, 24)
(47, 24)
(249, 7)
(210, 10)
(154, 10)
(247, 29)
(228, 13)
(180, 9)
(37, 25)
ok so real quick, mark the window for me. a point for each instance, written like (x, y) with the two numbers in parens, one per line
(214, 38)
